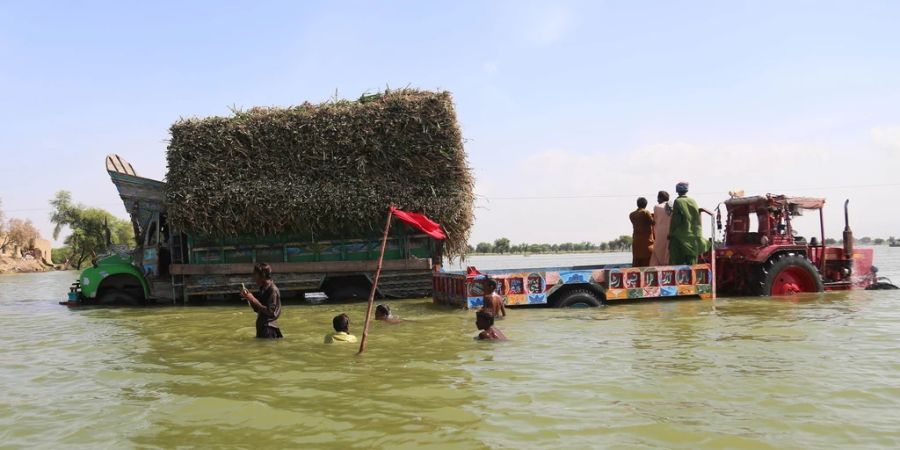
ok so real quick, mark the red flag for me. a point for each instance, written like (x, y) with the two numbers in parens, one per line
(421, 222)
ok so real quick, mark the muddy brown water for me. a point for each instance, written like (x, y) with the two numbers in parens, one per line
(813, 371)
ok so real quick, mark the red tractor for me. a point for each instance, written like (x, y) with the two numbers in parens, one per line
(770, 258)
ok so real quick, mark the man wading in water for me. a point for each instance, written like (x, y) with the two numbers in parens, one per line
(268, 305)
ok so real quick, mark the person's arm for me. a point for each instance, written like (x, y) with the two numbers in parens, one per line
(502, 307)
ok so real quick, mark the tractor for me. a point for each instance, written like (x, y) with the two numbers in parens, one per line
(771, 258)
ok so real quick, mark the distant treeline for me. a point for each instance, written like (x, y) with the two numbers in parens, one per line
(504, 246)
(622, 244)
(865, 241)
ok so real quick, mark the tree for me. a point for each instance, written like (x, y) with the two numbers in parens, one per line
(892, 241)
(830, 241)
(92, 229)
(484, 247)
(865, 241)
(4, 238)
(878, 241)
(501, 246)
(22, 233)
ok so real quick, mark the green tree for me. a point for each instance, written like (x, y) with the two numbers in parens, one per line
(830, 241)
(865, 241)
(4, 239)
(484, 247)
(92, 230)
(878, 241)
(501, 245)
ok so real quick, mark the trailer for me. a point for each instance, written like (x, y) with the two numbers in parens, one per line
(578, 286)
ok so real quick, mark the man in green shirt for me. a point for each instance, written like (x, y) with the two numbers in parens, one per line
(686, 241)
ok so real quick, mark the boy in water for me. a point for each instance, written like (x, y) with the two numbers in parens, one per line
(383, 312)
(341, 333)
(485, 322)
(493, 302)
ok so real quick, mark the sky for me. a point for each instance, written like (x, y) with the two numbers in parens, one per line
(570, 110)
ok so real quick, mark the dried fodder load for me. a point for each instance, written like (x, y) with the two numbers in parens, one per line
(322, 171)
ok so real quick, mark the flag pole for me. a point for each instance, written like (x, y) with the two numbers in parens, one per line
(387, 228)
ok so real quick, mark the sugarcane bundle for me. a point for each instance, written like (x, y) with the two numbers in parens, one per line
(322, 171)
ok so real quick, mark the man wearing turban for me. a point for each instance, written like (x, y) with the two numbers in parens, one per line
(686, 241)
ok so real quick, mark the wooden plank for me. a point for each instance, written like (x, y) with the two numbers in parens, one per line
(308, 267)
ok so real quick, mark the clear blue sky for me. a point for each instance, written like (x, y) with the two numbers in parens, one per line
(556, 99)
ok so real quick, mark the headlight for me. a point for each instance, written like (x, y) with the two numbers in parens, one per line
(85, 281)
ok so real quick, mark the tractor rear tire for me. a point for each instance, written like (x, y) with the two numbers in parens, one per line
(788, 274)
(579, 298)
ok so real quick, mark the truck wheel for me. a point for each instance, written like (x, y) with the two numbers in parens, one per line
(111, 297)
(789, 274)
(347, 293)
(581, 298)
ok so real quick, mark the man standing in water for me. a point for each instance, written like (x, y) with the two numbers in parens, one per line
(686, 232)
(267, 303)
(642, 237)
(662, 217)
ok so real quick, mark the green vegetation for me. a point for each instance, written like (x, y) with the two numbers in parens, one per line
(503, 246)
(93, 230)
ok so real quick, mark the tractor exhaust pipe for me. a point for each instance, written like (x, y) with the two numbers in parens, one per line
(848, 234)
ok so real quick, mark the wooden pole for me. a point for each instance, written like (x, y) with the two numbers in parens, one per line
(387, 229)
(712, 258)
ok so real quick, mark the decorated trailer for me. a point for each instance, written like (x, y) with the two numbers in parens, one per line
(581, 286)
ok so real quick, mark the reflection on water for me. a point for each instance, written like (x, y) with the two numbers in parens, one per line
(815, 371)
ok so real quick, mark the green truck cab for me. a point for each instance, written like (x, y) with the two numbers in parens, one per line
(174, 266)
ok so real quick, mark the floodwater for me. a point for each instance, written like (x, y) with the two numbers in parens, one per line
(815, 371)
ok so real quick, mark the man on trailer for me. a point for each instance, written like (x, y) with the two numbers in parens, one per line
(662, 218)
(642, 236)
(686, 241)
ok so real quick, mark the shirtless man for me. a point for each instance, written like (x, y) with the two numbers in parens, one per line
(383, 313)
(493, 302)
(485, 322)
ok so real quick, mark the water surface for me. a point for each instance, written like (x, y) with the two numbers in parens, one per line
(815, 371)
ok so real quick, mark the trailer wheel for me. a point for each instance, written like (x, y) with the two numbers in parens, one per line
(789, 274)
(578, 298)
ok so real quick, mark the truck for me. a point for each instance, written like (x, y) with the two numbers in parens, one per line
(171, 265)
(768, 259)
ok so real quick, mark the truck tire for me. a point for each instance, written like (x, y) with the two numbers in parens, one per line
(579, 298)
(119, 298)
(350, 292)
(788, 274)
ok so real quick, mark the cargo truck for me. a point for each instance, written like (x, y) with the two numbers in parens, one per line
(171, 265)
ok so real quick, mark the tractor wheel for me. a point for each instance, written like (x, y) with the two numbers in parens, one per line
(789, 274)
(580, 298)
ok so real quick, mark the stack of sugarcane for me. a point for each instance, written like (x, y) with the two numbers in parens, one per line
(322, 171)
